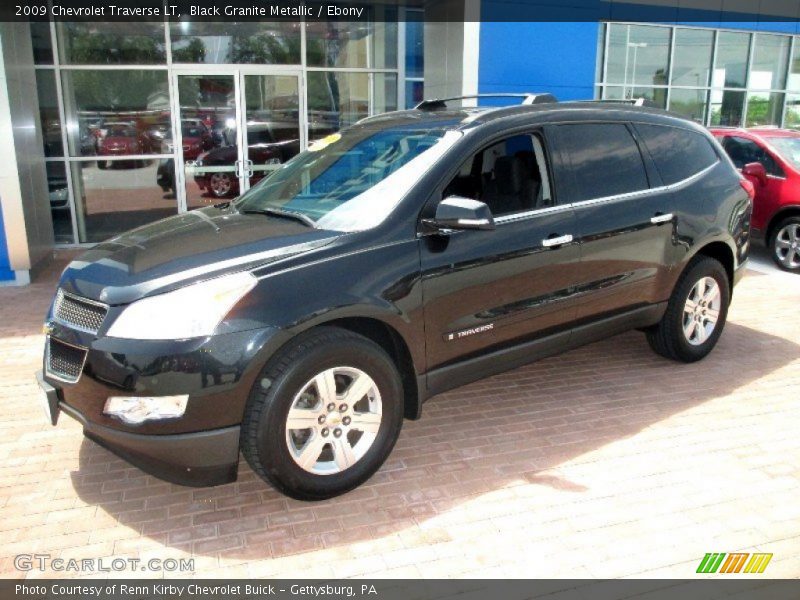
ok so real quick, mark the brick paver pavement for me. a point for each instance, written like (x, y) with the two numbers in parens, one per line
(607, 461)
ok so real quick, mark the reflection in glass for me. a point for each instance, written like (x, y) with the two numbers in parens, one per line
(692, 57)
(415, 93)
(658, 96)
(384, 93)
(770, 56)
(117, 113)
(764, 108)
(208, 126)
(335, 100)
(793, 83)
(272, 113)
(730, 69)
(336, 44)
(638, 54)
(132, 42)
(792, 111)
(689, 103)
(116, 199)
(59, 202)
(233, 42)
(727, 108)
(42, 43)
(49, 119)
(415, 38)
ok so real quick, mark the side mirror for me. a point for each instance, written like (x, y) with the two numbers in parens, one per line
(455, 212)
(755, 170)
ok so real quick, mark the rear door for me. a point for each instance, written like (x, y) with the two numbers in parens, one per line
(486, 289)
(624, 227)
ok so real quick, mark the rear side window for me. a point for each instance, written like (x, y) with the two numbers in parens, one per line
(604, 158)
(677, 153)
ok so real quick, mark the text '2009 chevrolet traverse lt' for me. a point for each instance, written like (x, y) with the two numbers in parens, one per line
(407, 255)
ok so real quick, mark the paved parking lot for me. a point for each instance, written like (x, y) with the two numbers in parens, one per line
(607, 461)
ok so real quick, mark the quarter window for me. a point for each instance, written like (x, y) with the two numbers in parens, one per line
(604, 158)
(677, 153)
(509, 176)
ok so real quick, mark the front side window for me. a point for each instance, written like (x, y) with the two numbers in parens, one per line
(509, 176)
(743, 151)
(352, 180)
(603, 158)
(677, 153)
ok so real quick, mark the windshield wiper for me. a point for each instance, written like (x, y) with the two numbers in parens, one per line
(286, 214)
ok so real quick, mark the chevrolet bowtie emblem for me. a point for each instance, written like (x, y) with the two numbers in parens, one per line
(47, 327)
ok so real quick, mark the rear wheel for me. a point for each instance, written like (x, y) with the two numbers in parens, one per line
(220, 184)
(785, 244)
(324, 415)
(696, 312)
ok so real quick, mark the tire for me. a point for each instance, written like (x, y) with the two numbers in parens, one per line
(220, 185)
(686, 333)
(784, 244)
(284, 456)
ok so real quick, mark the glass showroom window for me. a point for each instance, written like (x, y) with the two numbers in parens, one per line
(415, 58)
(106, 92)
(714, 77)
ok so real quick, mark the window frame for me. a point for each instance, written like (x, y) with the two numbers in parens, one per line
(540, 131)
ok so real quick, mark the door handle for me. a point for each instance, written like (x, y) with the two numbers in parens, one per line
(556, 241)
(659, 219)
(238, 166)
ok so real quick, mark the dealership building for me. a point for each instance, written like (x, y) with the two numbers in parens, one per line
(106, 126)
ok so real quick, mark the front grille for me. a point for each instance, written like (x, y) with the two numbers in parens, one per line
(79, 313)
(64, 361)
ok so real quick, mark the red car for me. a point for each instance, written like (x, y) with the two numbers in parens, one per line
(120, 140)
(770, 159)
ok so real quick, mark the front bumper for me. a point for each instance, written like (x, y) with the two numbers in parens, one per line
(194, 459)
(201, 447)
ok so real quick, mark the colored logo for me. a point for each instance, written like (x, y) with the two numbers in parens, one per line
(737, 562)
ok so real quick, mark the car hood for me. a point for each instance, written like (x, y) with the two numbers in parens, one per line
(183, 249)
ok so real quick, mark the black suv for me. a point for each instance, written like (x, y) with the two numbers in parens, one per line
(410, 254)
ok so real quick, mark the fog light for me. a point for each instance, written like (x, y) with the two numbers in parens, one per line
(135, 410)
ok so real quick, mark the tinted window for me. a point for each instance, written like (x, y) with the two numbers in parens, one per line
(605, 160)
(743, 151)
(678, 153)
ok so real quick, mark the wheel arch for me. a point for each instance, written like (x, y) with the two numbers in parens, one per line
(784, 212)
(723, 253)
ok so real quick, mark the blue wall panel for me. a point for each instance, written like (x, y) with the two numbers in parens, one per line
(538, 57)
(6, 273)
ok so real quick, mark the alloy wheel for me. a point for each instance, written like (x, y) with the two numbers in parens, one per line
(333, 420)
(220, 184)
(701, 311)
(787, 246)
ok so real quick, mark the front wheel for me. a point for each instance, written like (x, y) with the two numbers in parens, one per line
(323, 415)
(220, 184)
(696, 312)
(785, 244)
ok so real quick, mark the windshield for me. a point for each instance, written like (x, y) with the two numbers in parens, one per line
(788, 147)
(352, 180)
(121, 132)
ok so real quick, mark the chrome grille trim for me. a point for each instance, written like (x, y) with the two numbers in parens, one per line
(79, 313)
(65, 364)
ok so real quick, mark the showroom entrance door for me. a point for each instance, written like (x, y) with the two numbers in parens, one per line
(234, 127)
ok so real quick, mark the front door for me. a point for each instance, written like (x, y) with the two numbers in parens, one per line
(484, 290)
(232, 129)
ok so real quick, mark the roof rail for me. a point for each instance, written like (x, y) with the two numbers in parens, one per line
(527, 98)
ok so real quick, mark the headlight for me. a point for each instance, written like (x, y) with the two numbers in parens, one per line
(191, 311)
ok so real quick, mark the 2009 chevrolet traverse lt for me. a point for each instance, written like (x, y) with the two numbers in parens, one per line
(410, 254)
